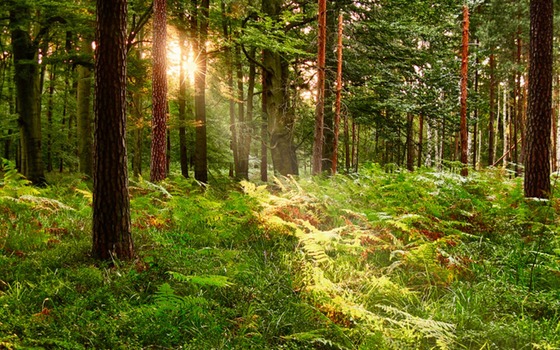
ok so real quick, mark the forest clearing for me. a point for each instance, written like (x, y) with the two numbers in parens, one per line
(279, 174)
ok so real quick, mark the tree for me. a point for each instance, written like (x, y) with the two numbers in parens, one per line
(320, 108)
(464, 82)
(111, 204)
(200, 34)
(537, 163)
(158, 164)
(85, 134)
(28, 90)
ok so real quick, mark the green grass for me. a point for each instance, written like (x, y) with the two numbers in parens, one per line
(421, 260)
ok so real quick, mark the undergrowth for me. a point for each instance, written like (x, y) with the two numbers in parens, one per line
(424, 260)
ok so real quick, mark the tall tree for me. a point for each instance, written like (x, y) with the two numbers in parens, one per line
(111, 204)
(27, 80)
(338, 99)
(158, 164)
(464, 82)
(276, 94)
(537, 165)
(200, 29)
(320, 107)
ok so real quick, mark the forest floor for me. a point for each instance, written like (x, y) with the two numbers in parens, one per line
(423, 260)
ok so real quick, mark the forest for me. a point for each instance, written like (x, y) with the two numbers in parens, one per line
(279, 174)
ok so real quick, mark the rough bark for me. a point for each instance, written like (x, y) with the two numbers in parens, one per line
(338, 99)
(158, 168)
(492, 114)
(111, 205)
(320, 108)
(537, 166)
(280, 116)
(464, 82)
(27, 82)
(200, 51)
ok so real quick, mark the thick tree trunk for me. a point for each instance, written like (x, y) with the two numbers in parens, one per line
(277, 96)
(320, 108)
(158, 168)
(537, 167)
(464, 82)
(27, 82)
(111, 204)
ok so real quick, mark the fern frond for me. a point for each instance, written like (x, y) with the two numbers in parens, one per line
(208, 280)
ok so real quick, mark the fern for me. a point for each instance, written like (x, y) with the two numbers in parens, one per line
(203, 281)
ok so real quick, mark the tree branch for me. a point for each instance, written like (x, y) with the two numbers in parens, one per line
(138, 27)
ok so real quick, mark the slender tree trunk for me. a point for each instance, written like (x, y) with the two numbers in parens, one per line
(201, 142)
(182, 102)
(347, 155)
(475, 117)
(111, 204)
(50, 108)
(264, 128)
(410, 142)
(85, 129)
(244, 146)
(159, 93)
(464, 82)
(537, 167)
(338, 101)
(492, 114)
(420, 139)
(250, 108)
(320, 108)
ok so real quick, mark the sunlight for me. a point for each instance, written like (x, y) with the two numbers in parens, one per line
(174, 60)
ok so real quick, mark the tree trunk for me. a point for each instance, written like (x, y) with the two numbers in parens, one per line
(199, 49)
(277, 96)
(492, 115)
(158, 159)
(338, 102)
(50, 108)
(420, 139)
(464, 82)
(410, 142)
(537, 167)
(320, 108)
(27, 82)
(182, 102)
(111, 204)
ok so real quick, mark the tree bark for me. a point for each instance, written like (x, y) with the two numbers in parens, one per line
(338, 100)
(492, 115)
(537, 167)
(27, 82)
(158, 157)
(201, 142)
(320, 108)
(464, 82)
(277, 96)
(111, 205)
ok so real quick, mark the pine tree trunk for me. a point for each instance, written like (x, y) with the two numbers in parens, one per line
(111, 204)
(158, 159)
(464, 82)
(338, 101)
(320, 107)
(182, 105)
(492, 112)
(199, 49)
(537, 167)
